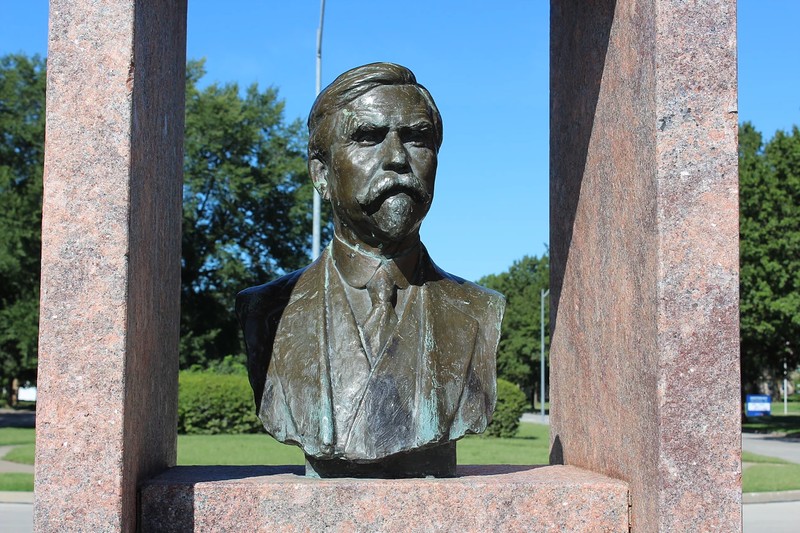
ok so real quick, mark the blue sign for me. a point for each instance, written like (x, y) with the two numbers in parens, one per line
(757, 405)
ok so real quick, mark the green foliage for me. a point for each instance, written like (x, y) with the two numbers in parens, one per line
(771, 478)
(246, 207)
(511, 404)
(769, 202)
(23, 454)
(22, 91)
(749, 457)
(16, 482)
(768, 474)
(12, 436)
(236, 450)
(520, 345)
(531, 446)
(210, 403)
(230, 364)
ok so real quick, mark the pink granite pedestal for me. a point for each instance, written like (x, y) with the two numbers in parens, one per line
(644, 266)
(644, 258)
(482, 498)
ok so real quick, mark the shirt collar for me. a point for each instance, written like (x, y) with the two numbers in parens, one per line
(357, 266)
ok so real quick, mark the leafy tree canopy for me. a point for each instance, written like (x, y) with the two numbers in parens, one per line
(520, 345)
(247, 215)
(769, 198)
(22, 89)
(246, 207)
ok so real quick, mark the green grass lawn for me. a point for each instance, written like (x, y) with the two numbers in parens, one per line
(748, 457)
(24, 437)
(530, 446)
(13, 436)
(769, 474)
(24, 454)
(236, 450)
(16, 482)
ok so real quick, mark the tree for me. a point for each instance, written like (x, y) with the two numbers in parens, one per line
(520, 346)
(769, 178)
(22, 90)
(246, 208)
(247, 213)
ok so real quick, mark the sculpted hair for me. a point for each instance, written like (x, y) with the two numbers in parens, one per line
(351, 85)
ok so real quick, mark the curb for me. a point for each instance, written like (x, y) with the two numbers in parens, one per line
(16, 497)
(771, 497)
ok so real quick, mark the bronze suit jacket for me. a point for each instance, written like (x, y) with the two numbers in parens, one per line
(313, 384)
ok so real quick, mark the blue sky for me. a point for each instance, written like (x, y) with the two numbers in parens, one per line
(486, 65)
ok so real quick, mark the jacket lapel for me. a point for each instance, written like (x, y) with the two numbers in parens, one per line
(415, 387)
(347, 360)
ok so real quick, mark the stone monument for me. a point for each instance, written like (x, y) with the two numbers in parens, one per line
(372, 358)
(644, 263)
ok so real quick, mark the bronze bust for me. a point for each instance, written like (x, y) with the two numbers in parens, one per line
(372, 358)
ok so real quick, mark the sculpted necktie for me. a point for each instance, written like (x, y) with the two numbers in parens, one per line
(382, 318)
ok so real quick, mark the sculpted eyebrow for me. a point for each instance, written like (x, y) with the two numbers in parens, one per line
(421, 126)
(366, 129)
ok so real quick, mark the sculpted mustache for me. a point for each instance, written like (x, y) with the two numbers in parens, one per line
(385, 186)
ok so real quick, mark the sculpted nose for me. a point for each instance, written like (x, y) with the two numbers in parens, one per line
(395, 156)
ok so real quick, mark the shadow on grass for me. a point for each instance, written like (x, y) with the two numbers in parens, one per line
(789, 425)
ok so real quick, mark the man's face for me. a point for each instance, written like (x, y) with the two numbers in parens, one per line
(382, 165)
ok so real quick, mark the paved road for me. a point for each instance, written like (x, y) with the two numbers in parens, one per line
(781, 447)
(536, 418)
(16, 517)
(12, 418)
(781, 517)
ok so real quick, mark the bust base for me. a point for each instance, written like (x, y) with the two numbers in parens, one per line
(439, 461)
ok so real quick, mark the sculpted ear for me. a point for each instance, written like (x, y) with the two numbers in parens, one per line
(319, 176)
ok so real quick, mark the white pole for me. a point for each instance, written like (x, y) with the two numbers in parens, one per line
(785, 390)
(541, 359)
(317, 207)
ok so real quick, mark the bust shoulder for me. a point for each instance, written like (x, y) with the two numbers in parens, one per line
(477, 301)
(263, 299)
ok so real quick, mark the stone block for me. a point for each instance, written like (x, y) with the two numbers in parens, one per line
(110, 289)
(483, 498)
(644, 254)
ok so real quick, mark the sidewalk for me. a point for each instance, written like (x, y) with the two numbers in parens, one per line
(8, 466)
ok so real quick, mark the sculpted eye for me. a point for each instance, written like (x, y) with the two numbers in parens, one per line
(422, 136)
(369, 136)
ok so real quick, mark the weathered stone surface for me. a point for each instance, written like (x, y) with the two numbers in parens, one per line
(644, 251)
(110, 259)
(486, 498)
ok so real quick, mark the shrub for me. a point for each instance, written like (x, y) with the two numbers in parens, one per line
(511, 404)
(230, 364)
(210, 403)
